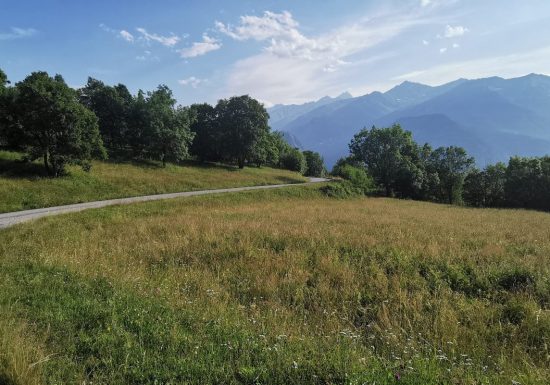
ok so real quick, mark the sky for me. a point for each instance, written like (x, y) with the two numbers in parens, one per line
(275, 51)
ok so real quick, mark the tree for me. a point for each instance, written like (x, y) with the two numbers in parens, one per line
(452, 164)
(243, 122)
(281, 147)
(475, 190)
(528, 183)
(54, 126)
(293, 160)
(315, 165)
(207, 143)
(169, 134)
(265, 150)
(138, 126)
(112, 106)
(391, 157)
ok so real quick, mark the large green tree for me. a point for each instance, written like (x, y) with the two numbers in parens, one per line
(168, 131)
(112, 106)
(207, 144)
(53, 124)
(452, 165)
(243, 124)
(391, 157)
(486, 188)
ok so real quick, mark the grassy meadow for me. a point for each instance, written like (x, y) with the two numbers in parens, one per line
(277, 287)
(25, 186)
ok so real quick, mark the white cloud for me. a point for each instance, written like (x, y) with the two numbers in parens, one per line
(443, 50)
(425, 42)
(200, 48)
(283, 38)
(126, 35)
(425, 3)
(191, 81)
(17, 33)
(456, 45)
(168, 41)
(270, 25)
(294, 67)
(456, 31)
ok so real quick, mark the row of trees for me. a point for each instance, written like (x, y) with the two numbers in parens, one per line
(47, 119)
(524, 182)
(402, 168)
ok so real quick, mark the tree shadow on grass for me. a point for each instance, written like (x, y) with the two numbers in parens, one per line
(154, 164)
(21, 169)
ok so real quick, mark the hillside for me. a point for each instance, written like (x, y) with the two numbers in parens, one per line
(277, 287)
(24, 185)
(493, 118)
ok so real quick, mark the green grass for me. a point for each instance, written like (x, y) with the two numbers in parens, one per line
(24, 185)
(277, 287)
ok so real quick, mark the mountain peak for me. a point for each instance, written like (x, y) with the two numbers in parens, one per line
(344, 95)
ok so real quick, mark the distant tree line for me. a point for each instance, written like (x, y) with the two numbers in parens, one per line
(46, 119)
(399, 167)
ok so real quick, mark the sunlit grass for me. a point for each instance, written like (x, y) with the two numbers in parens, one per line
(24, 186)
(282, 287)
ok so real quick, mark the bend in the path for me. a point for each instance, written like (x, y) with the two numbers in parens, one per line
(10, 219)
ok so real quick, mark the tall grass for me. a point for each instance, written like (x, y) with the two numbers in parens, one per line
(283, 287)
(25, 186)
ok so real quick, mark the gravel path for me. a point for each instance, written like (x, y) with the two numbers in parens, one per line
(10, 219)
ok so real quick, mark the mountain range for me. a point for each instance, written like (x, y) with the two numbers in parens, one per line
(492, 118)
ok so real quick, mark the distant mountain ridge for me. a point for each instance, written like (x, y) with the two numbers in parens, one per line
(493, 118)
(281, 114)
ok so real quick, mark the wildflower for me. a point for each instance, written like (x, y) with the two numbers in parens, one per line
(294, 364)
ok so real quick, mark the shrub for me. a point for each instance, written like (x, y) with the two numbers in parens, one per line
(293, 160)
(314, 164)
(357, 176)
(341, 189)
(515, 280)
(514, 313)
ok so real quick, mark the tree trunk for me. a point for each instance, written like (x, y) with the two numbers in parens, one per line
(46, 165)
(241, 162)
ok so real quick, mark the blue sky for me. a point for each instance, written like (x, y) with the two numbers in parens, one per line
(276, 51)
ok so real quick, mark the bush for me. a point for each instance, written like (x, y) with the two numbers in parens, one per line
(314, 164)
(357, 176)
(515, 280)
(514, 313)
(341, 190)
(293, 160)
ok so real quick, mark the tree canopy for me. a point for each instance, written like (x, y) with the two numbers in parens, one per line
(390, 156)
(53, 125)
(244, 123)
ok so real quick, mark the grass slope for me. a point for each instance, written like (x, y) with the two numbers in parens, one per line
(277, 287)
(24, 186)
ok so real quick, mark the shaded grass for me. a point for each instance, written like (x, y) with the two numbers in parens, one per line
(284, 287)
(24, 185)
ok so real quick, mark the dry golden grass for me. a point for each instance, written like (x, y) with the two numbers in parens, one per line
(385, 281)
(21, 355)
